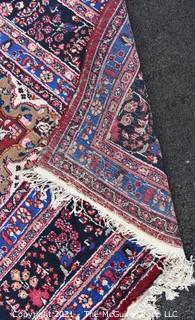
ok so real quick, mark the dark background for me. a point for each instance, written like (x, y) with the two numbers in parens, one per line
(164, 31)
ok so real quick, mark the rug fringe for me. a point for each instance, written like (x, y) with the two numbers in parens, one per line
(63, 194)
(177, 275)
(177, 271)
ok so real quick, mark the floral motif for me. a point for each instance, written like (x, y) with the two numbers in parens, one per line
(54, 256)
(59, 30)
(132, 128)
(6, 8)
(23, 215)
(19, 5)
(96, 108)
(75, 246)
(86, 301)
(44, 126)
(52, 248)
(46, 76)
(15, 275)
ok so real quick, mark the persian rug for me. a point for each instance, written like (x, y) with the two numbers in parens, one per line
(87, 224)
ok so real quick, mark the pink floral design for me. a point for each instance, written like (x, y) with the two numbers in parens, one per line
(6, 9)
(52, 248)
(75, 246)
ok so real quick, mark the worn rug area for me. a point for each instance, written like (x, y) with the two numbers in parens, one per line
(87, 224)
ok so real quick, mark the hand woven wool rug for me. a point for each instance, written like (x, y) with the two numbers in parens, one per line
(87, 224)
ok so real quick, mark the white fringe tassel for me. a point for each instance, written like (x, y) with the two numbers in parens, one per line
(177, 275)
(64, 193)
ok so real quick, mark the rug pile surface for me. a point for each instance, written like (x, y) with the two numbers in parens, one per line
(87, 224)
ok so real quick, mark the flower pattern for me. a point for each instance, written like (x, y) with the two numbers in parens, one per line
(49, 261)
(86, 301)
(23, 215)
(132, 128)
(53, 26)
(47, 76)
(6, 9)
(96, 108)
(44, 126)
